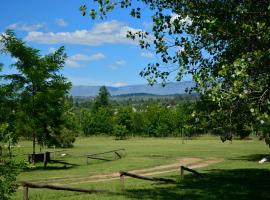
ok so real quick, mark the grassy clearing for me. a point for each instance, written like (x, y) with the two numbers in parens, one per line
(239, 176)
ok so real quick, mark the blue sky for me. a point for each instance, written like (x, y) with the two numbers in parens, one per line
(99, 53)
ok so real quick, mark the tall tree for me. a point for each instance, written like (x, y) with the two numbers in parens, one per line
(102, 100)
(224, 45)
(40, 86)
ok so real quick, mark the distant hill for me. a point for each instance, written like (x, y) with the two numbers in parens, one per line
(171, 88)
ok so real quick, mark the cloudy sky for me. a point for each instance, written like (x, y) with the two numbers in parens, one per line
(99, 52)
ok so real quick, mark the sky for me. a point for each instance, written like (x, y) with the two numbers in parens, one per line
(99, 52)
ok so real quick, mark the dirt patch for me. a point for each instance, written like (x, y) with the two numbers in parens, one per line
(188, 162)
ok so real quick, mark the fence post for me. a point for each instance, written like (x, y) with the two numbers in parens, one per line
(25, 193)
(122, 182)
(182, 173)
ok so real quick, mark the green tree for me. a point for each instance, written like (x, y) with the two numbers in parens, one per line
(224, 45)
(139, 123)
(102, 100)
(40, 87)
(158, 121)
(9, 114)
(120, 132)
(103, 121)
(124, 117)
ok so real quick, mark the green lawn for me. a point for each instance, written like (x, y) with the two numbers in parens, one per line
(238, 176)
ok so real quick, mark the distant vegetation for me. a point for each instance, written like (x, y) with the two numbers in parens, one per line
(147, 115)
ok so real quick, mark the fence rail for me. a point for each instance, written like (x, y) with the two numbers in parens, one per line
(27, 185)
(183, 168)
(157, 179)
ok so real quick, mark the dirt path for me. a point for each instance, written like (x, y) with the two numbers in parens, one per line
(188, 162)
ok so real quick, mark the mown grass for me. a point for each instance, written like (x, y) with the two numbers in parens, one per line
(238, 176)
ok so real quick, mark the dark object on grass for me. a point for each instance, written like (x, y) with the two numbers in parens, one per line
(225, 137)
(39, 157)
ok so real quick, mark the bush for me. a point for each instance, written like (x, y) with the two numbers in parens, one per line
(120, 132)
(8, 172)
(66, 138)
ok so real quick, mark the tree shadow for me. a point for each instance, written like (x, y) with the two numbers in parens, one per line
(235, 184)
(52, 165)
(252, 157)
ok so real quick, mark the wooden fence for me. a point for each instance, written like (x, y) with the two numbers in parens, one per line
(27, 185)
(183, 168)
(157, 179)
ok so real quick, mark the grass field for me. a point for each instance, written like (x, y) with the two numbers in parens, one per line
(237, 175)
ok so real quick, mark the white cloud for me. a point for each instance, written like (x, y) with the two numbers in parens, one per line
(120, 84)
(26, 27)
(148, 25)
(111, 32)
(52, 50)
(74, 60)
(73, 64)
(184, 20)
(61, 22)
(15, 59)
(82, 57)
(120, 62)
(147, 55)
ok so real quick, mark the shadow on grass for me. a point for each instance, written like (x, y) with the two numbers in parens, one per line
(216, 184)
(52, 165)
(252, 157)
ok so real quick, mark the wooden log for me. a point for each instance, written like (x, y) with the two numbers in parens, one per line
(166, 180)
(25, 193)
(190, 170)
(56, 187)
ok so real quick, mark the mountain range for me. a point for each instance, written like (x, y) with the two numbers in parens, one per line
(157, 89)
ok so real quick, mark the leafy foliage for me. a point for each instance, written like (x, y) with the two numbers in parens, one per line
(8, 172)
(102, 100)
(224, 45)
(120, 132)
(38, 92)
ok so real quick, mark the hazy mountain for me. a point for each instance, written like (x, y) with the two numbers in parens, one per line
(157, 89)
